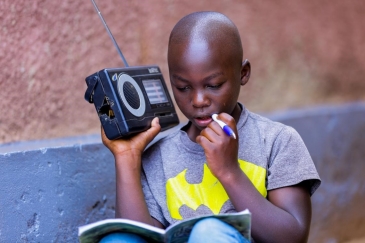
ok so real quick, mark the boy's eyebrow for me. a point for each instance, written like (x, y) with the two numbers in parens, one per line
(214, 75)
(175, 76)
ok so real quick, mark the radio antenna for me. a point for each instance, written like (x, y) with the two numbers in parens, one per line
(110, 34)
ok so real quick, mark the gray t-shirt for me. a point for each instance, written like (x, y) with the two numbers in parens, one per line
(178, 184)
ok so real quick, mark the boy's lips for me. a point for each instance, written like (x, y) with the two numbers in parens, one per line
(203, 121)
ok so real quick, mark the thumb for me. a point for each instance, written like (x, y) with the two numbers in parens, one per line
(155, 125)
(152, 132)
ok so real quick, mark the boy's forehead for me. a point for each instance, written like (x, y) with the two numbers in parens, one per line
(199, 59)
(201, 42)
(192, 51)
(205, 31)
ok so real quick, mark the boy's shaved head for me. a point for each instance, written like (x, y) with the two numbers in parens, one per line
(206, 69)
(211, 28)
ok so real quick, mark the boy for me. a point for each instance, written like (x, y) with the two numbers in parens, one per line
(267, 169)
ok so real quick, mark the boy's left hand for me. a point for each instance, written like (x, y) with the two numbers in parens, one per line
(221, 150)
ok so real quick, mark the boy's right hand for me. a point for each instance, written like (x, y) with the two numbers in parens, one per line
(134, 145)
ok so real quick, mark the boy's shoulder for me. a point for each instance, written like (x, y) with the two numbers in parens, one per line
(266, 127)
(249, 118)
(264, 121)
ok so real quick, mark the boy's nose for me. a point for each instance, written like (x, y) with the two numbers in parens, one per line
(199, 100)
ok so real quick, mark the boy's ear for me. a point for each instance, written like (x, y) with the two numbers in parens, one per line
(245, 72)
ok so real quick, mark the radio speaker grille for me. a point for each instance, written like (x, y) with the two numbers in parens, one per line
(131, 95)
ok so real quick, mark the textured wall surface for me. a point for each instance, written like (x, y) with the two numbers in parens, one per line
(302, 53)
(51, 187)
(47, 193)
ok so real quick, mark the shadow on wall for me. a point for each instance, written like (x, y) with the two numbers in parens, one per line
(46, 193)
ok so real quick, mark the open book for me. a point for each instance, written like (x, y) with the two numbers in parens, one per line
(175, 233)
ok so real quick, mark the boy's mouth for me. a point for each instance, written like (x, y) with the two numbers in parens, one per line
(203, 121)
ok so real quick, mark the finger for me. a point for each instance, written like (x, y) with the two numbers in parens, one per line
(155, 126)
(202, 141)
(229, 120)
(152, 132)
(216, 128)
(211, 133)
(155, 122)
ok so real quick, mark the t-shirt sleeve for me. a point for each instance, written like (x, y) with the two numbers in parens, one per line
(290, 162)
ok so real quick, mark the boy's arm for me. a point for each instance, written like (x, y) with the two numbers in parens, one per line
(284, 216)
(130, 202)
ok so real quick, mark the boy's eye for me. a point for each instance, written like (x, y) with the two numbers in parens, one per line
(217, 86)
(183, 88)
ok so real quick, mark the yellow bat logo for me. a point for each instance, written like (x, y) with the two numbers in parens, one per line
(209, 192)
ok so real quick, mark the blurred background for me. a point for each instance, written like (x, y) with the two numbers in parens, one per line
(303, 53)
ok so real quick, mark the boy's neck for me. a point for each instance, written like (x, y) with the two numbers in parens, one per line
(236, 113)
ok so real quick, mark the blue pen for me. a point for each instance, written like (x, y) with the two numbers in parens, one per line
(224, 126)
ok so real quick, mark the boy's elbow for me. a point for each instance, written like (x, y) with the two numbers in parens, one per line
(297, 233)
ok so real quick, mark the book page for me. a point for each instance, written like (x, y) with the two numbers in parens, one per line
(180, 231)
(96, 231)
(176, 233)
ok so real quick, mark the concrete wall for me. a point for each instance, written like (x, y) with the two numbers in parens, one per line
(50, 187)
(335, 137)
(302, 53)
(47, 192)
